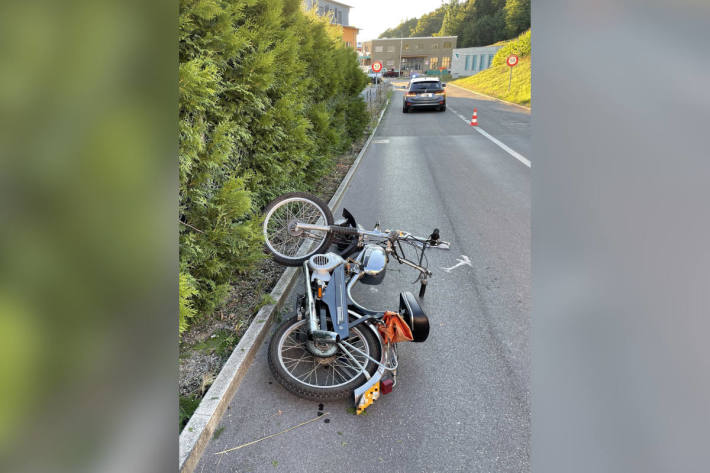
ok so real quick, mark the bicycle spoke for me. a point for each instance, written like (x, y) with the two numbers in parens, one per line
(280, 223)
(311, 370)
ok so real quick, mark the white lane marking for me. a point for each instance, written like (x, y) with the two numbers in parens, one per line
(385, 141)
(495, 140)
(464, 260)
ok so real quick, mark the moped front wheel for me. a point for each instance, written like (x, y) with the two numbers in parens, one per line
(289, 244)
(321, 373)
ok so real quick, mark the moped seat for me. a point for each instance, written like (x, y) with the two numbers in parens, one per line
(414, 316)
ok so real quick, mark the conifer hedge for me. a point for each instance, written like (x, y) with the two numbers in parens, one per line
(268, 96)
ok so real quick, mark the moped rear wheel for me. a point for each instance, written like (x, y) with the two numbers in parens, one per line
(288, 244)
(321, 378)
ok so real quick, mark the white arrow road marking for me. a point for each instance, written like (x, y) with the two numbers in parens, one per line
(464, 260)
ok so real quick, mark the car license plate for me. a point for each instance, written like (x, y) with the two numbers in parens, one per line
(427, 95)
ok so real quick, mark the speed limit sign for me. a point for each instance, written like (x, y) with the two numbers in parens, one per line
(376, 66)
(511, 61)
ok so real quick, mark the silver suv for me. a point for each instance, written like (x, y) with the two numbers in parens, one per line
(425, 92)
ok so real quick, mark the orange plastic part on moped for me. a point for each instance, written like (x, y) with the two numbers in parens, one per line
(395, 329)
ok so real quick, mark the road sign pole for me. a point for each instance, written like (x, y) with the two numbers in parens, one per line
(510, 78)
(512, 61)
(399, 67)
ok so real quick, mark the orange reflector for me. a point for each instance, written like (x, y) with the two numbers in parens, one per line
(320, 292)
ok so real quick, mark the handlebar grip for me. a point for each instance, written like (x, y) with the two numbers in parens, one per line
(344, 230)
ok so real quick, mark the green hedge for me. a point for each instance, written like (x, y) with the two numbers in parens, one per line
(268, 96)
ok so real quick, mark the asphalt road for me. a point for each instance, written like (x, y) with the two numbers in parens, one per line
(462, 397)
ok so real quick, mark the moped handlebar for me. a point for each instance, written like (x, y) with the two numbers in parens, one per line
(432, 241)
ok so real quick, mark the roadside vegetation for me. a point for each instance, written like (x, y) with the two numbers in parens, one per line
(269, 102)
(494, 80)
(211, 338)
(269, 96)
(475, 22)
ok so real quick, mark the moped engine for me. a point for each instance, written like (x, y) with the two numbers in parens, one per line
(322, 265)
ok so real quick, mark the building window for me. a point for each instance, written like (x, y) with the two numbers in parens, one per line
(445, 62)
(490, 59)
(447, 44)
(468, 59)
(390, 62)
(473, 62)
(390, 49)
(434, 63)
(480, 64)
(406, 46)
(420, 45)
(378, 49)
(435, 46)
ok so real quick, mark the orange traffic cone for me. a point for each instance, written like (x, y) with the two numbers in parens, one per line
(474, 117)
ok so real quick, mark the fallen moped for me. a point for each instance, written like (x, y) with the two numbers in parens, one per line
(333, 347)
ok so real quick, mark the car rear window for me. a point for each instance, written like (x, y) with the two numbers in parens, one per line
(420, 86)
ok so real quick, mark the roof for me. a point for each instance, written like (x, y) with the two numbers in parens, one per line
(476, 48)
(424, 79)
(339, 3)
(316, 2)
(417, 37)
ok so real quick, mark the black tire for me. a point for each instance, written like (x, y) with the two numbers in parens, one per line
(404, 109)
(320, 210)
(442, 108)
(295, 327)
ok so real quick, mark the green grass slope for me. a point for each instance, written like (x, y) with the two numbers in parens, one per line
(494, 82)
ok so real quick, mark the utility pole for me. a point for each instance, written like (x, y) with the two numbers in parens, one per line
(399, 67)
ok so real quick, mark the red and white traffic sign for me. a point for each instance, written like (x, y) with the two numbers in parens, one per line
(376, 66)
(512, 60)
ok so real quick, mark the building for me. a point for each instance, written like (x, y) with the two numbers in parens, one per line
(350, 36)
(419, 54)
(340, 16)
(468, 61)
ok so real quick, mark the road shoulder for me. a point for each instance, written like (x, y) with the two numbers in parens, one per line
(490, 97)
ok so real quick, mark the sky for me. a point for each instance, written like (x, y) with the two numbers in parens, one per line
(375, 16)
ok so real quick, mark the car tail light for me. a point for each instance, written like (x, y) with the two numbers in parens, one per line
(411, 94)
(386, 385)
(440, 93)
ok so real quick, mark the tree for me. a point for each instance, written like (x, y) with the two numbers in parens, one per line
(268, 95)
(475, 22)
(403, 30)
(517, 16)
(453, 18)
(430, 23)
